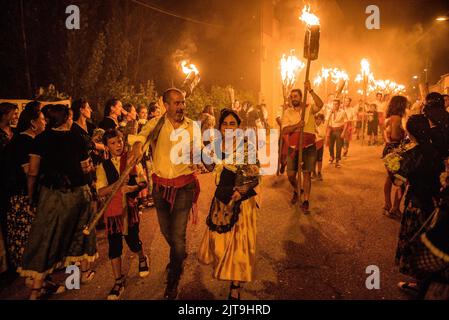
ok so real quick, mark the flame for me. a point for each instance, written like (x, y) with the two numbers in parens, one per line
(317, 81)
(187, 69)
(365, 66)
(290, 66)
(308, 17)
(337, 75)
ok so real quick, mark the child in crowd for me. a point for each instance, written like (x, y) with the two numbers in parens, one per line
(373, 124)
(319, 142)
(122, 216)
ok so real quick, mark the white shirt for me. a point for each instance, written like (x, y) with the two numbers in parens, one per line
(337, 119)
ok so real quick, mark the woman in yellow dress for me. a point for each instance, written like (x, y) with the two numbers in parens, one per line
(229, 242)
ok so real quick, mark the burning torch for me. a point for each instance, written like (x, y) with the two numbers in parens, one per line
(192, 77)
(290, 67)
(311, 49)
(366, 76)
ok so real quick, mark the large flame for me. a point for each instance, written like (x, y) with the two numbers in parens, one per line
(187, 69)
(365, 66)
(290, 66)
(308, 17)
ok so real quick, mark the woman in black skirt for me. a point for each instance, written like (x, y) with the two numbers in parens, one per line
(21, 209)
(61, 161)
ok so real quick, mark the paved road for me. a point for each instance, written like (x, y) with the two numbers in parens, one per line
(322, 255)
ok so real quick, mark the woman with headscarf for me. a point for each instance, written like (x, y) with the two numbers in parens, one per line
(230, 239)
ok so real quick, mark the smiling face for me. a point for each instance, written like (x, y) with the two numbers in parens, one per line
(143, 113)
(176, 106)
(115, 146)
(228, 123)
(14, 118)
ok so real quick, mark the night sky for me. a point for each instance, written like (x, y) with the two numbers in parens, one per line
(224, 41)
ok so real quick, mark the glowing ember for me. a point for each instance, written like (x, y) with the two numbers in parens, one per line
(187, 69)
(308, 17)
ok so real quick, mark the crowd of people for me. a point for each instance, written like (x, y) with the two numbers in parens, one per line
(59, 169)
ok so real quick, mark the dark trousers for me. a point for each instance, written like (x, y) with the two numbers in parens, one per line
(335, 139)
(173, 223)
(132, 240)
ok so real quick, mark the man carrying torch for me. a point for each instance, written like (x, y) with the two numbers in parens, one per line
(293, 123)
(302, 158)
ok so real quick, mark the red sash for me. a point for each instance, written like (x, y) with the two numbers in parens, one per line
(308, 139)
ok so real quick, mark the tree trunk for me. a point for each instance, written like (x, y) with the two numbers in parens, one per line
(24, 39)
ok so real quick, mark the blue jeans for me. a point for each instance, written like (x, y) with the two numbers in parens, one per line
(173, 223)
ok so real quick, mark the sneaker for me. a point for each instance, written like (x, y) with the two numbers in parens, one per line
(314, 175)
(331, 160)
(319, 176)
(294, 199)
(171, 291)
(117, 289)
(337, 164)
(144, 269)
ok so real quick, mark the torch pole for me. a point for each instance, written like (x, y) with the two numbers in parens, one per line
(365, 80)
(280, 143)
(301, 130)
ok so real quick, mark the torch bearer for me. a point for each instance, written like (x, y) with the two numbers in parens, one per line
(311, 49)
(191, 81)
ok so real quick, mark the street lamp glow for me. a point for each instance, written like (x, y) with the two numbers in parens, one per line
(415, 77)
(442, 19)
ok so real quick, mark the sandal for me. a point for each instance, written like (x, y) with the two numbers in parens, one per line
(87, 276)
(144, 270)
(234, 287)
(118, 289)
(410, 288)
(51, 287)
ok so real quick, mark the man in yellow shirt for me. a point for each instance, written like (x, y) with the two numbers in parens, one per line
(291, 125)
(176, 187)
